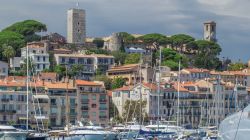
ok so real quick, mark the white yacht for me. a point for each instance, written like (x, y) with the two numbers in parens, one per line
(11, 133)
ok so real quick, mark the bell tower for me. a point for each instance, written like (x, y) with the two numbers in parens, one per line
(210, 31)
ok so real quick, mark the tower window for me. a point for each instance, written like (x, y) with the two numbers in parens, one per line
(78, 23)
(213, 28)
(206, 27)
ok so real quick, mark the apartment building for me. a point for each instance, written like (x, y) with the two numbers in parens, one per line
(38, 54)
(93, 102)
(131, 73)
(91, 63)
(190, 74)
(62, 97)
(239, 77)
(13, 106)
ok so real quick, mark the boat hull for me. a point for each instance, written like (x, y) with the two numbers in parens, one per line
(86, 137)
(13, 136)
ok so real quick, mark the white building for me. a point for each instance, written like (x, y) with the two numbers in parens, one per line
(190, 74)
(76, 26)
(3, 69)
(90, 63)
(15, 63)
(38, 54)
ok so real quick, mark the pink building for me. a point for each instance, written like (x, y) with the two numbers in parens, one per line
(93, 102)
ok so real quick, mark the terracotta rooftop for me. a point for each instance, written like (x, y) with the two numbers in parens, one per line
(124, 67)
(124, 88)
(196, 70)
(20, 84)
(87, 83)
(85, 56)
(48, 74)
(58, 85)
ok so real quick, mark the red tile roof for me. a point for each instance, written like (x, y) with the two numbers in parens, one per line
(124, 88)
(87, 83)
(196, 70)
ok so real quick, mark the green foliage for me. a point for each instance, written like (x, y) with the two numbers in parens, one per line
(12, 39)
(97, 51)
(27, 27)
(171, 59)
(180, 40)
(155, 38)
(99, 42)
(207, 54)
(132, 58)
(75, 70)
(236, 66)
(46, 70)
(119, 57)
(127, 38)
(132, 110)
(60, 70)
(107, 81)
(118, 82)
(8, 52)
(31, 67)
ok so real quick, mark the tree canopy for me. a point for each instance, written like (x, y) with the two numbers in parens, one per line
(98, 42)
(8, 52)
(27, 27)
(132, 58)
(119, 57)
(155, 38)
(118, 82)
(12, 39)
(236, 66)
(180, 40)
(126, 37)
(207, 54)
(171, 59)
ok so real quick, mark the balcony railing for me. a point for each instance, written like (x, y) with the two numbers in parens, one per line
(102, 108)
(5, 100)
(7, 111)
(85, 101)
(84, 108)
(102, 117)
(103, 100)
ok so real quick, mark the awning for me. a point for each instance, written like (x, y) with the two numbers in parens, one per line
(22, 118)
(41, 96)
(41, 117)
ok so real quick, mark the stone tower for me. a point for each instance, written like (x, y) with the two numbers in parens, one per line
(210, 31)
(115, 42)
(76, 26)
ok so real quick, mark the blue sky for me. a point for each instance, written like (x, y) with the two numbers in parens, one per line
(144, 16)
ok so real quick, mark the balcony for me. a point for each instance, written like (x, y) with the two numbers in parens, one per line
(84, 108)
(102, 117)
(72, 113)
(5, 100)
(85, 116)
(85, 101)
(102, 108)
(8, 111)
(103, 100)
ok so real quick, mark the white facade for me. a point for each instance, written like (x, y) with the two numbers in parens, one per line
(38, 55)
(15, 63)
(76, 26)
(3, 69)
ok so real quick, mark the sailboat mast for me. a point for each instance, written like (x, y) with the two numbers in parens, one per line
(178, 93)
(67, 102)
(27, 88)
(158, 90)
(236, 95)
(140, 74)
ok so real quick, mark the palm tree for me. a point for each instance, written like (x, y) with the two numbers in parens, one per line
(8, 52)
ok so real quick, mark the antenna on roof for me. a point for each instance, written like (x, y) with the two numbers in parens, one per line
(77, 5)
